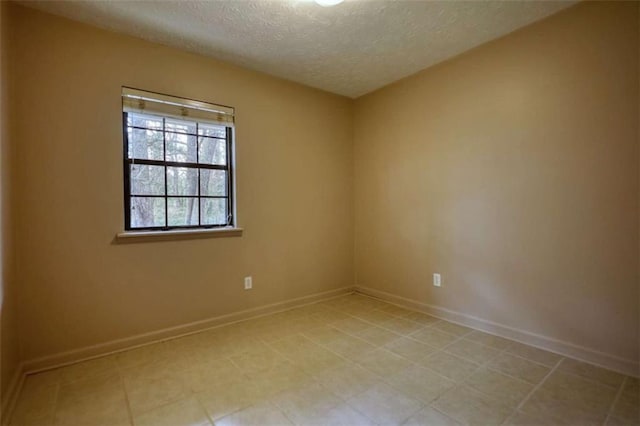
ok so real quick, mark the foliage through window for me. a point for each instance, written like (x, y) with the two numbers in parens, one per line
(177, 170)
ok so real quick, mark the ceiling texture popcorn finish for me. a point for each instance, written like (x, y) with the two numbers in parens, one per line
(350, 49)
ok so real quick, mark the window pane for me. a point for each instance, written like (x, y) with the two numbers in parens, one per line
(213, 211)
(182, 181)
(213, 182)
(212, 151)
(145, 144)
(181, 147)
(183, 211)
(212, 131)
(147, 212)
(144, 120)
(147, 180)
(180, 126)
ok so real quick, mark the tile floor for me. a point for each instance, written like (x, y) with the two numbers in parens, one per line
(352, 360)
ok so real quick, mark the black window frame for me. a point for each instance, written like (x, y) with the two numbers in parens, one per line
(228, 167)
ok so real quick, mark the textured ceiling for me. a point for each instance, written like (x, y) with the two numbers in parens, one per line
(350, 49)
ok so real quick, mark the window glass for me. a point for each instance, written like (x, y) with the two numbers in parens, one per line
(177, 173)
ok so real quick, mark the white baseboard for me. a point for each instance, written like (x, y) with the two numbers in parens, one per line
(120, 345)
(611, 362)
(10, 398)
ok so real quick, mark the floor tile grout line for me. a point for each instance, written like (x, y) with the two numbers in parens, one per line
(228, 414)
(473, 329)
(442, 349)
(387, 384)
(54, 410)
(438, 319)
(443, 413)
(189, 391)
(351, 334)
(331, 407)
(615, 401)
(322, 345)
(422, 407)
(506, 351)
(319, 321)
(400, 336)
(561, 358)
(348, 361)
(519, 379)
(388, 313)
(480, 365)
(510, 340)
(204, 410)
(589, 379)
(126, 394)
(126, 398)
(359, 411)
(56, 400)
(328, 324)
(401, 307)
(191, 333)
(284, 413)
(382, 347)
(378, 376)
(486, 366)
(347, 333)
(487, 363)
(461, 337)
(461, 382)
(535, 388)
(390, 330)
(312, 378)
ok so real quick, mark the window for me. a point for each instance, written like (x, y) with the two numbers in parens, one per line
(178, 157)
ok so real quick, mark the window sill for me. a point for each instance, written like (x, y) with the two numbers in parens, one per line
(177, 234)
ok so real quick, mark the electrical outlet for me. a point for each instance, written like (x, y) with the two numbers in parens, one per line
(248, 283)
(437, 280)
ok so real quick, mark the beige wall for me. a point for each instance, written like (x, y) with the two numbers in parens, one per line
(513, 171)
(9, 350)
(294, 175)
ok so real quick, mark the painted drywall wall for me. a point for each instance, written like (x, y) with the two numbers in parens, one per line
(78, 287)
(512, 170)
(9, 345)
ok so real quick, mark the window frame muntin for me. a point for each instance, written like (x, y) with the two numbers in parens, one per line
(228, 167)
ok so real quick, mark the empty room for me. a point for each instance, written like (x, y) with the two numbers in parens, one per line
(319, 212)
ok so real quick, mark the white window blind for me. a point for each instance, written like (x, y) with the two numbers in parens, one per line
(134, 100)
